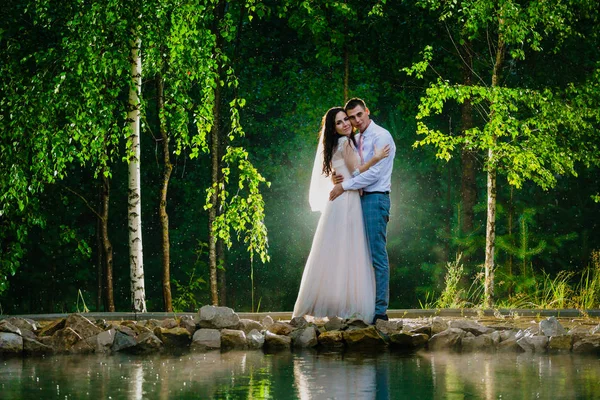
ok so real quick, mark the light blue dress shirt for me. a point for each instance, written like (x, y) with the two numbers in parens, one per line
(378, 178)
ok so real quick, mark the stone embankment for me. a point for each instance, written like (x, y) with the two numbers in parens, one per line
(220, 328)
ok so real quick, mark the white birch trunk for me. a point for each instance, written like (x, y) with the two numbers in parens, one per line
(136, 260)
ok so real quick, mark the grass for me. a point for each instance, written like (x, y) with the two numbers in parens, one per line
(536, 292)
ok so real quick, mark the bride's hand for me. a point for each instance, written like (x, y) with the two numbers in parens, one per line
(381, 154)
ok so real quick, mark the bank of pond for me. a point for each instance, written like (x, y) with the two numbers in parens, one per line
(221, 329)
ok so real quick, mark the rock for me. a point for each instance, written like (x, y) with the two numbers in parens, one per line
(217, 318)
(408, 340)
(146, 343)
(28, 334)
(255, 340)
(579, 332)
(10, 343)
(438, 324)
(248, 325)
(33, 347)
(506, 326)
(233, 339)
(102, 324)
(418, 326)
(495, 336)
(589, 345)
(334, 324)
(187, 322)
(267, 322)
(331, 339)
(84, 346)
(529, 332)
(366, 337)
(6, 326)
(206, 339)
(24, 324)
(533, 344)
(275, 342)
(449, 339)
(505, 335)
(64, 339)
(509, 346)
(356, 323)
(299, 322)
(83, 326)
(560, 343)
(177, 337)
(281, 328)
(151, 323)
(105, 340)
(52, 328)
(595, 330)
(479, 343)
(470, 326)
(388, 327)
(122, 341)
(305, 338)
(126, 330)
(47, 340)
(169, 323)
(551, 327)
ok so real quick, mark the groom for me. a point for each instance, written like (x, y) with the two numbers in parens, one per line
(375, 200)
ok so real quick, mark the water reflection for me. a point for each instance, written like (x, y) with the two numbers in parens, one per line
(305, 375)
(343, 376)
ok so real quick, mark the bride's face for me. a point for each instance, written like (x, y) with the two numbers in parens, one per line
(342, 124)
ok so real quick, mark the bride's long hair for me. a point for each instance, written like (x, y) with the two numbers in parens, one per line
(330, 137)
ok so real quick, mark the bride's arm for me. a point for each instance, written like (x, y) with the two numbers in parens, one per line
(378, 156)
(353, 162)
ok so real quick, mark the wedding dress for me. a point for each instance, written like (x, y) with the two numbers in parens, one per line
(338, 278)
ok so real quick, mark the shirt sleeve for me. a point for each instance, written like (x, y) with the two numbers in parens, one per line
(373, 174)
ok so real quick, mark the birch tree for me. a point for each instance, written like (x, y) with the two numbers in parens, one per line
(527, 133)
(134, 210)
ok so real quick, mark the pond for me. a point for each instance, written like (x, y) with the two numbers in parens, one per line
(302, 375)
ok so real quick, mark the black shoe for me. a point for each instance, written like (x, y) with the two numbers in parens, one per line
(383, 317)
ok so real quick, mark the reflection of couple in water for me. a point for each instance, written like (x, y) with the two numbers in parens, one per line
(347, 272)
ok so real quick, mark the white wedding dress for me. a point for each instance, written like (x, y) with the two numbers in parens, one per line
(338, 278)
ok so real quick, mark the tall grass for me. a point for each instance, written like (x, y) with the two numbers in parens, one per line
(589, 285)
(540, 292)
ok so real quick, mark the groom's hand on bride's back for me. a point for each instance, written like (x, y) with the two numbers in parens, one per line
(335, 178)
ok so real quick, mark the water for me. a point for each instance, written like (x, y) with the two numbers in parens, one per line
(305, 375)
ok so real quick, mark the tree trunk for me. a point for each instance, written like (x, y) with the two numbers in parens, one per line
(162, 209)
(511, 210)
(214, 151)
(490, 232)
(346, 73)
(449, 210)
(107, 246)
(100, 258)
(136, 260)
(222, 274)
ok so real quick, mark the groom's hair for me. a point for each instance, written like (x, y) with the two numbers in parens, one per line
(355, 102)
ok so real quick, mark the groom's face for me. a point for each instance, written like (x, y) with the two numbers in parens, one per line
(359, 117)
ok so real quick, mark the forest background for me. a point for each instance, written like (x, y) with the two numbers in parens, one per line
(236, 90)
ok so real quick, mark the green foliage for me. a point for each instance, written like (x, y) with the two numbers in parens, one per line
(64, 78)
(188, 294)
(452, 295)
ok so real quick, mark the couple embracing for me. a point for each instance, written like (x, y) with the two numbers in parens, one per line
(347, 272)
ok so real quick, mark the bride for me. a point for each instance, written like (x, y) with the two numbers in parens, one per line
(338, 278)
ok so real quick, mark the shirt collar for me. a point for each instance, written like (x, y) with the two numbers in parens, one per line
(369, 128)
